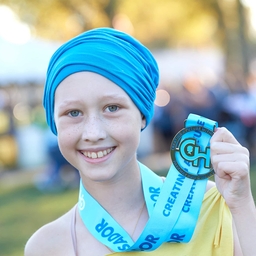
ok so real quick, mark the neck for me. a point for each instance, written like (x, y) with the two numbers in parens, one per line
(120, 194)
(123, 199)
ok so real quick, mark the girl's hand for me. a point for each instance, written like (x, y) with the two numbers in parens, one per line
(231, 164)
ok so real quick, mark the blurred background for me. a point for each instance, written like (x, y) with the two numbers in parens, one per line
(206, 51)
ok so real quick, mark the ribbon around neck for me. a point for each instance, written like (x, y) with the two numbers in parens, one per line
(173, 206)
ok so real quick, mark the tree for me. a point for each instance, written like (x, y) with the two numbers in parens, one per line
(60, 19)
(157, 23)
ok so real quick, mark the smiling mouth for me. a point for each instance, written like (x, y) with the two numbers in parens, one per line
(98, 154)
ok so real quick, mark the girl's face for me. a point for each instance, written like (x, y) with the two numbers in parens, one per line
(98, 126)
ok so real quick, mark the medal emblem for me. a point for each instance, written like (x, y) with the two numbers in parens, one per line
(190, 152)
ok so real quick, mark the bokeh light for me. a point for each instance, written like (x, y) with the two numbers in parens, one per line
(162, 98)
(21, 112)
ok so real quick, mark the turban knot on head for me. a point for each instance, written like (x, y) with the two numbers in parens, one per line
(112, 54)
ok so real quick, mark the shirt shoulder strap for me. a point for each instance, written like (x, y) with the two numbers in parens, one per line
(73, 229)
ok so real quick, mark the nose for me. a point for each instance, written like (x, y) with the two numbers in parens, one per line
(94, 129)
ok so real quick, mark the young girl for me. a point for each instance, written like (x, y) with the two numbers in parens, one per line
(99, 96)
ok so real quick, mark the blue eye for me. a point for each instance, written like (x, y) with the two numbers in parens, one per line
(112, 108)
(74, 113)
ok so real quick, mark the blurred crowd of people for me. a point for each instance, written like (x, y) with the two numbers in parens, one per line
(231, 106)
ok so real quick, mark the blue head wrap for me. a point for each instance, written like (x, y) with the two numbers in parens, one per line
(112, 54)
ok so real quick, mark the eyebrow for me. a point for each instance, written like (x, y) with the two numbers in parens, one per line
(66, 103)
(118, 97)
(114, 97)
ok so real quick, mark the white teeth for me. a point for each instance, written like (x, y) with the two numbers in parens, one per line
(98, 154)
(94, 155)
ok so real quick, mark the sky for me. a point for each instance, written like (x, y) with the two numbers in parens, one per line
(11, 28)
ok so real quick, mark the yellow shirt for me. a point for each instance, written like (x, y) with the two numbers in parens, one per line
(213, 235)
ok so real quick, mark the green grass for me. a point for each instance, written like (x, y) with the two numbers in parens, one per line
(24, 209)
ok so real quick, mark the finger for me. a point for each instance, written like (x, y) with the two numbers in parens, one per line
(225, 148)
(232, 170)
(230, 158)
(223, 135)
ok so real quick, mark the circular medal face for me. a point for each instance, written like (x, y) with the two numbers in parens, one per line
(190, 152)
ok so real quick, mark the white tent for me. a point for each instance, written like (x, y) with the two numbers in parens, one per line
(22, 63)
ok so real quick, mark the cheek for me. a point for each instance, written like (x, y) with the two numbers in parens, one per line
(64, 143)
(66, 130)
(67, 146)
(130, 131)
(66, 138)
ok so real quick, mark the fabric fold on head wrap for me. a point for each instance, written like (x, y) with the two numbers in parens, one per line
(112, 54)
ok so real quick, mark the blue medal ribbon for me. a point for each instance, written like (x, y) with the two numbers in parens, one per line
(173, 206)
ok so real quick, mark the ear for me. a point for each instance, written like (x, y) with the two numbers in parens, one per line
(143, 122)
